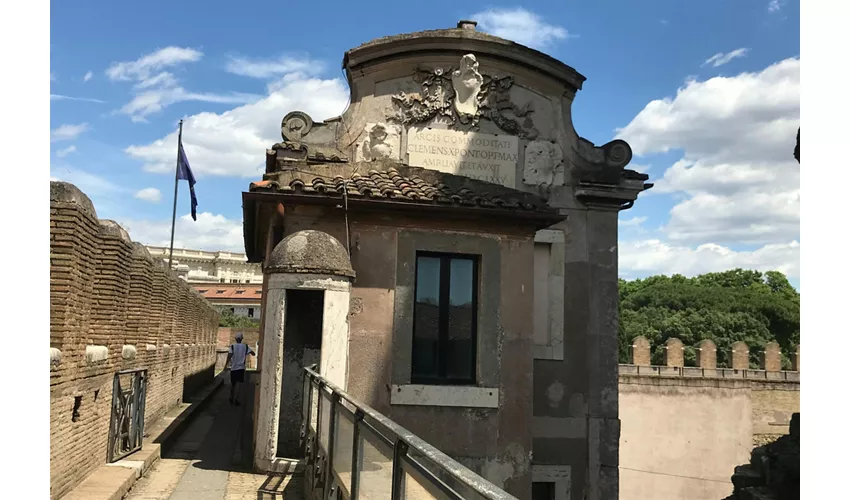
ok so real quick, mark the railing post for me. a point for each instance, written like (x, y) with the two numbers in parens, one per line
(399, 450)
(331, 437)
(356, 455)
(316, 467)
(306, 413)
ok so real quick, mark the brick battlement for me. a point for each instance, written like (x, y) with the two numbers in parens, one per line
(770, 360)
(113, 307)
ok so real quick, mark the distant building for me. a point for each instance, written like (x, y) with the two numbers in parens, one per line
(199, 266)
(239, 298)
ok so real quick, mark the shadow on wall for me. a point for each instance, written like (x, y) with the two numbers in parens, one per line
(193, 383)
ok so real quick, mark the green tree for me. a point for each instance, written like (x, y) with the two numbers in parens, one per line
(229, 320)
(735, 305)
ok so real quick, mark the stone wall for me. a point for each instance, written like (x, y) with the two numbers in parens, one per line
(113, 307)
(684, 428)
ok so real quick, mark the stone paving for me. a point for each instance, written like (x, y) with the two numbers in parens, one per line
(209, 461)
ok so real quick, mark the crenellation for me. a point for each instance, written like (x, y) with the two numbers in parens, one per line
(770, 359)
(740, 356)
(111, 305)
(707, 354)
(640, 351)
(674, 353)
(675, 364)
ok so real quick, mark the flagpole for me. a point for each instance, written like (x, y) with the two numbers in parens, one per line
(176, 178)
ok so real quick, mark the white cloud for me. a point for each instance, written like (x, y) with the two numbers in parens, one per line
(154, 89)
(233, 143)
(210, 232)
(273, 68)
(163, 79)
(59, 97)
(61, 153)
(521, 26)
(750, 217)
(723, 117)
(720, 58)
(155, 100)
(67, 132)
(736, 185)
(88, 76)
(739, 179)
(775, 5)
(647, 257)
(152, 195)
(141, 68)
(632, 222)
(94, 186)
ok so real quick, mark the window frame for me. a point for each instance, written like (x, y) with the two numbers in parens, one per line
(443, 318)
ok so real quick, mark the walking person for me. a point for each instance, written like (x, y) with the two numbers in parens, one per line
(236, 357)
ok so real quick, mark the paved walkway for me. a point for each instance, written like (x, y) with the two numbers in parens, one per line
(211, 461)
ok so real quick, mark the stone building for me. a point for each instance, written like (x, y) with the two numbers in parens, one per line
(199, 266)
(240, 299)
(450, 246)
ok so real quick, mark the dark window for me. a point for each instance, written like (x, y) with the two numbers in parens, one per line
(250, 312)
(240, 292)
(542, 491)
(445, 319)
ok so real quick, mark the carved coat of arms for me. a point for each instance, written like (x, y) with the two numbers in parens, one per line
(464, 96)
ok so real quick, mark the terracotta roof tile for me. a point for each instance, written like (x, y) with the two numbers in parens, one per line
(407, 184)
(216, 292)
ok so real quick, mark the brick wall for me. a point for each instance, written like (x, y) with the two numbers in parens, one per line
(108, 295)
(227, 336)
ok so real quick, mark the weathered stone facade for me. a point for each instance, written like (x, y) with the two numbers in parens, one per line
(460, 142)
(113, 307)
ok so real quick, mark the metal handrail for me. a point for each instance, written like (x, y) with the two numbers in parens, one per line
(404, 441)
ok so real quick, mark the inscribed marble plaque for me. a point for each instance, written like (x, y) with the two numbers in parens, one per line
(486, 157)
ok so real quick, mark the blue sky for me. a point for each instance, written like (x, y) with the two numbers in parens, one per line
(707, 94)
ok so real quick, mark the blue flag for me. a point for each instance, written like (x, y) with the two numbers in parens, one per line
(184, 172)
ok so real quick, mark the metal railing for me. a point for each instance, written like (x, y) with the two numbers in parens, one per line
(127, 422)
(353, 452)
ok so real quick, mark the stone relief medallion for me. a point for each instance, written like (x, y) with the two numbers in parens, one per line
(464, 96)
(383, 141)
(295, 125)
(544, 164)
